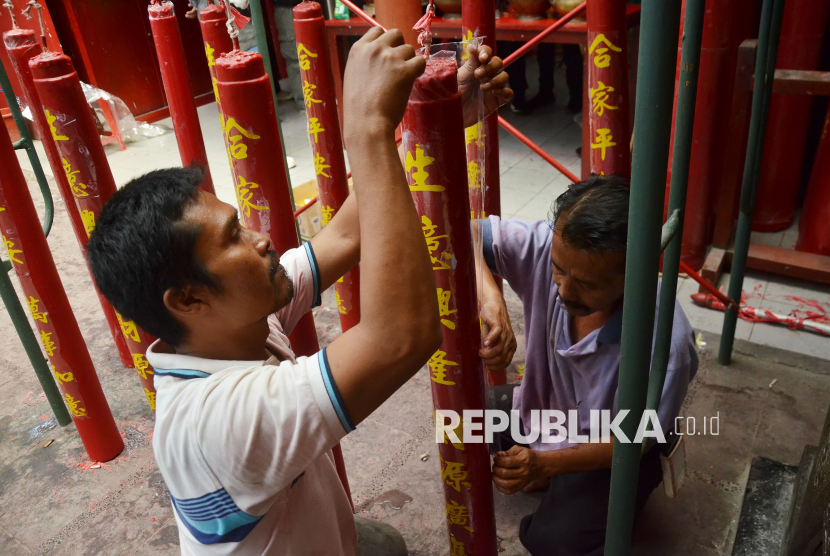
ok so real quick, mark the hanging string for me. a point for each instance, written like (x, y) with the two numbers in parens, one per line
(28, 13)
(423, 26)
(233, 28)
(8, 5)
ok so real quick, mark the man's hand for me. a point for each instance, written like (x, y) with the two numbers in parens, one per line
(499, 343)
(377, 83)
(482, 71)
(191, 13)
(515, 469)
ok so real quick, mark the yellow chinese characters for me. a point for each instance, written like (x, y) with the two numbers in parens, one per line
(475, 133)
(599, 98)
(48, 344)
(432, 244)
(454, 475)
(465, 41)
(129, 328)
(419, 162)
(236, 148)
(339, 300)
(304, 54)
(438, 368)
(601, 56)
(320, 165)
(151, 398)
(457, 514)
(35, 310)
(142, 366)
(88, 218)
(50, 119)
(603, 141)
(78, 188)
(308, 94)
(457, 547)
(444, 308)
(209, 50)
(473, 174)
(244, 195)
(12, 251)
(75, 406)
(62, 378)
(315, 127)
(328, 213)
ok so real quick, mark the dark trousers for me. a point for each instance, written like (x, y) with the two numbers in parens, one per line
(570, 520)
(572, 56)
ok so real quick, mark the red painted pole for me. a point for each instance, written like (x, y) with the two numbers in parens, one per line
(177, 87)
(88, 174)
(401, 15)
(814, 233)
(802, 34)
(714, 92)
(433, 137)
(326, 147)
(608, 107)
(58, 330)
(44, 121)
(213, 23)
(261, 179)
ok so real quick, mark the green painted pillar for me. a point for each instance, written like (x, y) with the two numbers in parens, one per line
(659, 24)
(772, 13)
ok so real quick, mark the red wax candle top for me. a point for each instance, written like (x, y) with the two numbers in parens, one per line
(438, 81)
(212, 13)
(307, 10)
(18, 37)
(239, 65)
(51, 64)
(163, 9)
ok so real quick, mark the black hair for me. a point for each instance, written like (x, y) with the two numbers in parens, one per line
(594, 214)
(141, 247)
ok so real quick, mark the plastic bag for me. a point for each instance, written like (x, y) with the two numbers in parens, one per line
(450, 72)
(130, 129)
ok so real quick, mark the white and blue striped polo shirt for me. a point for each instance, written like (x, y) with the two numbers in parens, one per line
(245, 446)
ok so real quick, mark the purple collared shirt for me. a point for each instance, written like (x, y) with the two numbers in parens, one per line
(558, 373)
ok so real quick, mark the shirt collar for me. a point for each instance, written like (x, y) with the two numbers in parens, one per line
(164, 361)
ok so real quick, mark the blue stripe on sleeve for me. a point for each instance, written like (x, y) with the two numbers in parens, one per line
(486, 228)
(315, 272)
(334, 393)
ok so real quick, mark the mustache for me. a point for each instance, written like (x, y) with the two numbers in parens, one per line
(574, 305)
(274, 265)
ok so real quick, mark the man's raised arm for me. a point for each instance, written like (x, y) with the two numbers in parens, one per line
(400, 327)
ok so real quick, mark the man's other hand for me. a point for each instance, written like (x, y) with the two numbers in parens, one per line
(191, 13)
(515, 469)
(377, 83)
(482, 71)
(499, 343)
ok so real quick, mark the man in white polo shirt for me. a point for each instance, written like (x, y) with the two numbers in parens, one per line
(244, 429)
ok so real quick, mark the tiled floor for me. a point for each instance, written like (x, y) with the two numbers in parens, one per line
(528, 187)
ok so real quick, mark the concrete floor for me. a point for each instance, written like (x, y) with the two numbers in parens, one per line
(53, 502)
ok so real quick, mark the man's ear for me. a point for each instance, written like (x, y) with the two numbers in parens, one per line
(187, 302)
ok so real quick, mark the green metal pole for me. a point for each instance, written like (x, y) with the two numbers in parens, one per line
(26, 143)
(771, 15)
(659, 23)
(27, 338)
(683, 127)
(258, 21)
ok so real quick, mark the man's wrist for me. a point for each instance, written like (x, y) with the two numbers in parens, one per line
(368, 132)
(546, 463)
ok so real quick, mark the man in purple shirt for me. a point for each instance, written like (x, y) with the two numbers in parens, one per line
(570, 276)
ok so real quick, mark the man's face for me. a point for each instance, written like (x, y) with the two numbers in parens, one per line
(253, 283)
(588, 282)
